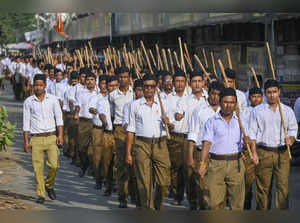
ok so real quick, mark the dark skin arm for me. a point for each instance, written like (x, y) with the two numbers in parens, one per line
(103, 120)
(77, 110)
(130, 139)
(203, 157)
(60, 138)
(27, 146)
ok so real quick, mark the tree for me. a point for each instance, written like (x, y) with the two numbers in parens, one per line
(10, 22)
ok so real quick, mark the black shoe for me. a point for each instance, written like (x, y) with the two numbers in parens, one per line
(40, 200)
(176, 202)
(98, 186)
(82, 172)
(90, 172)
(193, 208)
(171, 194)
(123, 204)
(77, 163)
(51, 193)
(73, 161)
(114, 189)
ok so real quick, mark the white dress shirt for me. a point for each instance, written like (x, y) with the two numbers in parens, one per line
(126, 111)
(103, 107)
(75, 90)
(199, 117)
(82, 100)
(172, 100)
(93, 102)
(118, 100)
(57, 89)
(185, 106)
(266, 125)
(66, 106)
(41, 116)
(146, 121)
(242, 100)
(29, 70)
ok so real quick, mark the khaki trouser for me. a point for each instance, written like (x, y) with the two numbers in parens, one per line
(124, 172)
(98, 147)
(40, 145)
(175, 146)
(249, 179)
(73, 137)
(225, 178)
(272, 163)
(85, 147)
(152, 166)
(107, 158)
(66, 138)
(198, 184)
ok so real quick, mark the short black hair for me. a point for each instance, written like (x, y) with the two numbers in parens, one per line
(138, 83)
(272, 83)
(90, 74)
(102, 77)
(149, 77)
(216, 85)
(259, 78)
(228, 92)
(122, 70)
(74, 75)
(255, 90)
(165, 75)
(196, 73)
(230, 73)
(39, 77)
(56, 70)
(112, 78)
(178, 72)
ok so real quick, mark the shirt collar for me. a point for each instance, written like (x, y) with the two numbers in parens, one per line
(129, 90)
(218, 116)
(143, 100)
(36, 99)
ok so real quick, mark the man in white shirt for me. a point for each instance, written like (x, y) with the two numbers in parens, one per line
(231, 81)
(85, 126)
(196, 127)
(58, 88)
(175, 144)
(42, 116)
(184, 109)
(150, 152)
(97, 133)
(266, 131)
(118, 99)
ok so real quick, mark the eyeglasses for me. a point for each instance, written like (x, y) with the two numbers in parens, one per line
(149, 86)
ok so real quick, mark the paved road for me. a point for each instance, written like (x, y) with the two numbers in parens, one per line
(74, 192)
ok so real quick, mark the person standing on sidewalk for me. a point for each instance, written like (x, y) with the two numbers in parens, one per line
(42, 116)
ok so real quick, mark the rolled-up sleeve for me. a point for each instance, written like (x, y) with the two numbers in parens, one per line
(131, 122)
(253, 126)
(58, 113)
(26, 116)
(292, 125)
(208, 133)
(193, 127)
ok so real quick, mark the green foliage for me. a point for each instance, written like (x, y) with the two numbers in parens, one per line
(6, 130)
(10, 22)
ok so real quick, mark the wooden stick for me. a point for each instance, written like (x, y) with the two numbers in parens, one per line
(119, 55)
(202, 67)
(278, 103)
(255, 77)
(189, 63)
(213, 62)
(270, 60)
(188, 56)
(181, 55)
(147, 58)
(171, 61)
(229, 58)
(204, 56)
(176, 58)
(158, 57)
(152, 57)
(165, 59)
(115, 58)
(223, 72)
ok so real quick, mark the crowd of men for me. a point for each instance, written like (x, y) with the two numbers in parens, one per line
(149, 136)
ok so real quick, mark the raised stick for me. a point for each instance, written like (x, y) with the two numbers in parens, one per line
(152, 57)
(213, 62)
(202, 67)
(147, 58)
(181, 55)
(171, 61)
(229, 58)
(255, 77)
(279, 104)
(165, 59)
(176, 59)
(204, 56)
(159, 61)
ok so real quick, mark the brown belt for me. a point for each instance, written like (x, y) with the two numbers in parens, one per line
(97, 127)
(235, 156)
(152, 140)
(181, 135)
(108, 131)
(85, 119)
(280, 149)
(43, 134)
(117, 125)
